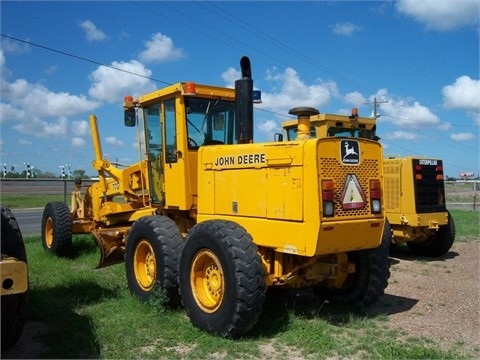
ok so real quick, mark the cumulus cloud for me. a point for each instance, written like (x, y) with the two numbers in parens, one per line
(407, 112)
(78, 142)
(464, 93)
(43, 128)
(289, 91)
(230, 76)
(346, 28)
(113, 141)
(80, 128)
(37, 99)
(462, 136)
(92, 32)
(268, 128)
(111, 85)
(160, 48)
(441, 15)
(403, 135)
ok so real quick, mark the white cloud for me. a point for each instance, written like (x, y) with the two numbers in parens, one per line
(462, 136)
(93, 34)
(80, 128)
(112, 85)
(463, 94)
(43, 128)
(24, 142)
(346, 28)
(78, 142)
(113, 141)
(354, 98)
(290, 91)
(403, 135)
(160, 48)
(38, 100)
(441, 15)
(230, 76)
(406, 112)
(268, 128)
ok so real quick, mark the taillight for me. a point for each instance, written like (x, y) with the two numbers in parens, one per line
(375, 196)
(418, 172)
(439, 172)
(328, 196)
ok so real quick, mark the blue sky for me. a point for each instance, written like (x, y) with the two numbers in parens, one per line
(419, 58)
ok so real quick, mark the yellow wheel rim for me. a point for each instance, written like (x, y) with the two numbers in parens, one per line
(49, 232)
(144, 265)
(207, 281)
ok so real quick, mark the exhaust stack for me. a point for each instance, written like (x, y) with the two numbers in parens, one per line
(244, 103)
(303, 127)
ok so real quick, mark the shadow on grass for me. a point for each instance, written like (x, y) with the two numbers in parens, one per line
(281, 306)
(65, 332)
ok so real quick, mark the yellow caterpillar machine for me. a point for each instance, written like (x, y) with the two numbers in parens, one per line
(14, 270)
(414, 187)
(213, 220)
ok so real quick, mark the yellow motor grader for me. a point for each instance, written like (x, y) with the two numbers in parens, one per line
(414, 186)
(213, 219)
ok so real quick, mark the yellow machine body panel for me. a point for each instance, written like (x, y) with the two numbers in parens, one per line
(281, 183)
(414, 196)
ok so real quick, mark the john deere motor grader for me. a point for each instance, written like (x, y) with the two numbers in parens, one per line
(213, 220)
(414, 187)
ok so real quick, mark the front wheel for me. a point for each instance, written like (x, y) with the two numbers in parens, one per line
(221, 277)
(151, 258)
(57, 228)
(437, 244)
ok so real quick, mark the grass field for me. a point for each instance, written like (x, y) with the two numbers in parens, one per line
(91, 314)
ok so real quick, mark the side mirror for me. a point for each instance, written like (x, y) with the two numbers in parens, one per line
(129, 117)
(278, 137)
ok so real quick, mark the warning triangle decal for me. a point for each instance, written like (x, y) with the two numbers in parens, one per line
(352, 196)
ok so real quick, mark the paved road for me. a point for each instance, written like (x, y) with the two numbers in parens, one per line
(29, 220)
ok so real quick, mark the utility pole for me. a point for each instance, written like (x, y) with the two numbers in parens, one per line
(376, 105)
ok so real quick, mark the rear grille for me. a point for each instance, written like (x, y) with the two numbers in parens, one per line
(429, 192)
(331, 168)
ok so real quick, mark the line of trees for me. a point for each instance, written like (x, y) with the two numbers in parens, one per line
(39, 174)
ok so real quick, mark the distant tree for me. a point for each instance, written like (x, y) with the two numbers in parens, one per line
(79, 174)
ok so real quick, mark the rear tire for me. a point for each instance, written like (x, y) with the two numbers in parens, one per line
(437, 244)
(57, 229)
(368, 283)
(153, 248)
(14, 307)
(221, 276)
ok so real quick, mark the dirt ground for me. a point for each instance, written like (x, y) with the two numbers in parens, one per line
(438, 299)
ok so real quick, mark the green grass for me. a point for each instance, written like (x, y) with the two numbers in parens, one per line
(467, 224)
(90, 314)
(19, 201)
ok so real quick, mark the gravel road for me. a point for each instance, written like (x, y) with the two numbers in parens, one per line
(437, 298)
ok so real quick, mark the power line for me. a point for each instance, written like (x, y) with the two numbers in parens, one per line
(83, 59)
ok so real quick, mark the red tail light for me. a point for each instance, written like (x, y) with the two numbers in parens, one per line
(328, 195)
(375, 196)
(418, 172)
(439, 170)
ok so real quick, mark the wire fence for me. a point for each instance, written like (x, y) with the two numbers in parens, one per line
(28, 197)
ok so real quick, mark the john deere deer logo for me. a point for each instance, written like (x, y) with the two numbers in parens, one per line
(350, 152)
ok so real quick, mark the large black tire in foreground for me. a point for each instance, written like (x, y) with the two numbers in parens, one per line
(438, 243)
(152, 252)
(222, 282)
(370, 279)
(14, 307)
(57, 228)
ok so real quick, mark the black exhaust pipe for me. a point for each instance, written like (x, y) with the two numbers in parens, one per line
(244, 103)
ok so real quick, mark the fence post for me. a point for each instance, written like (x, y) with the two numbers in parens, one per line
(65, 191)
